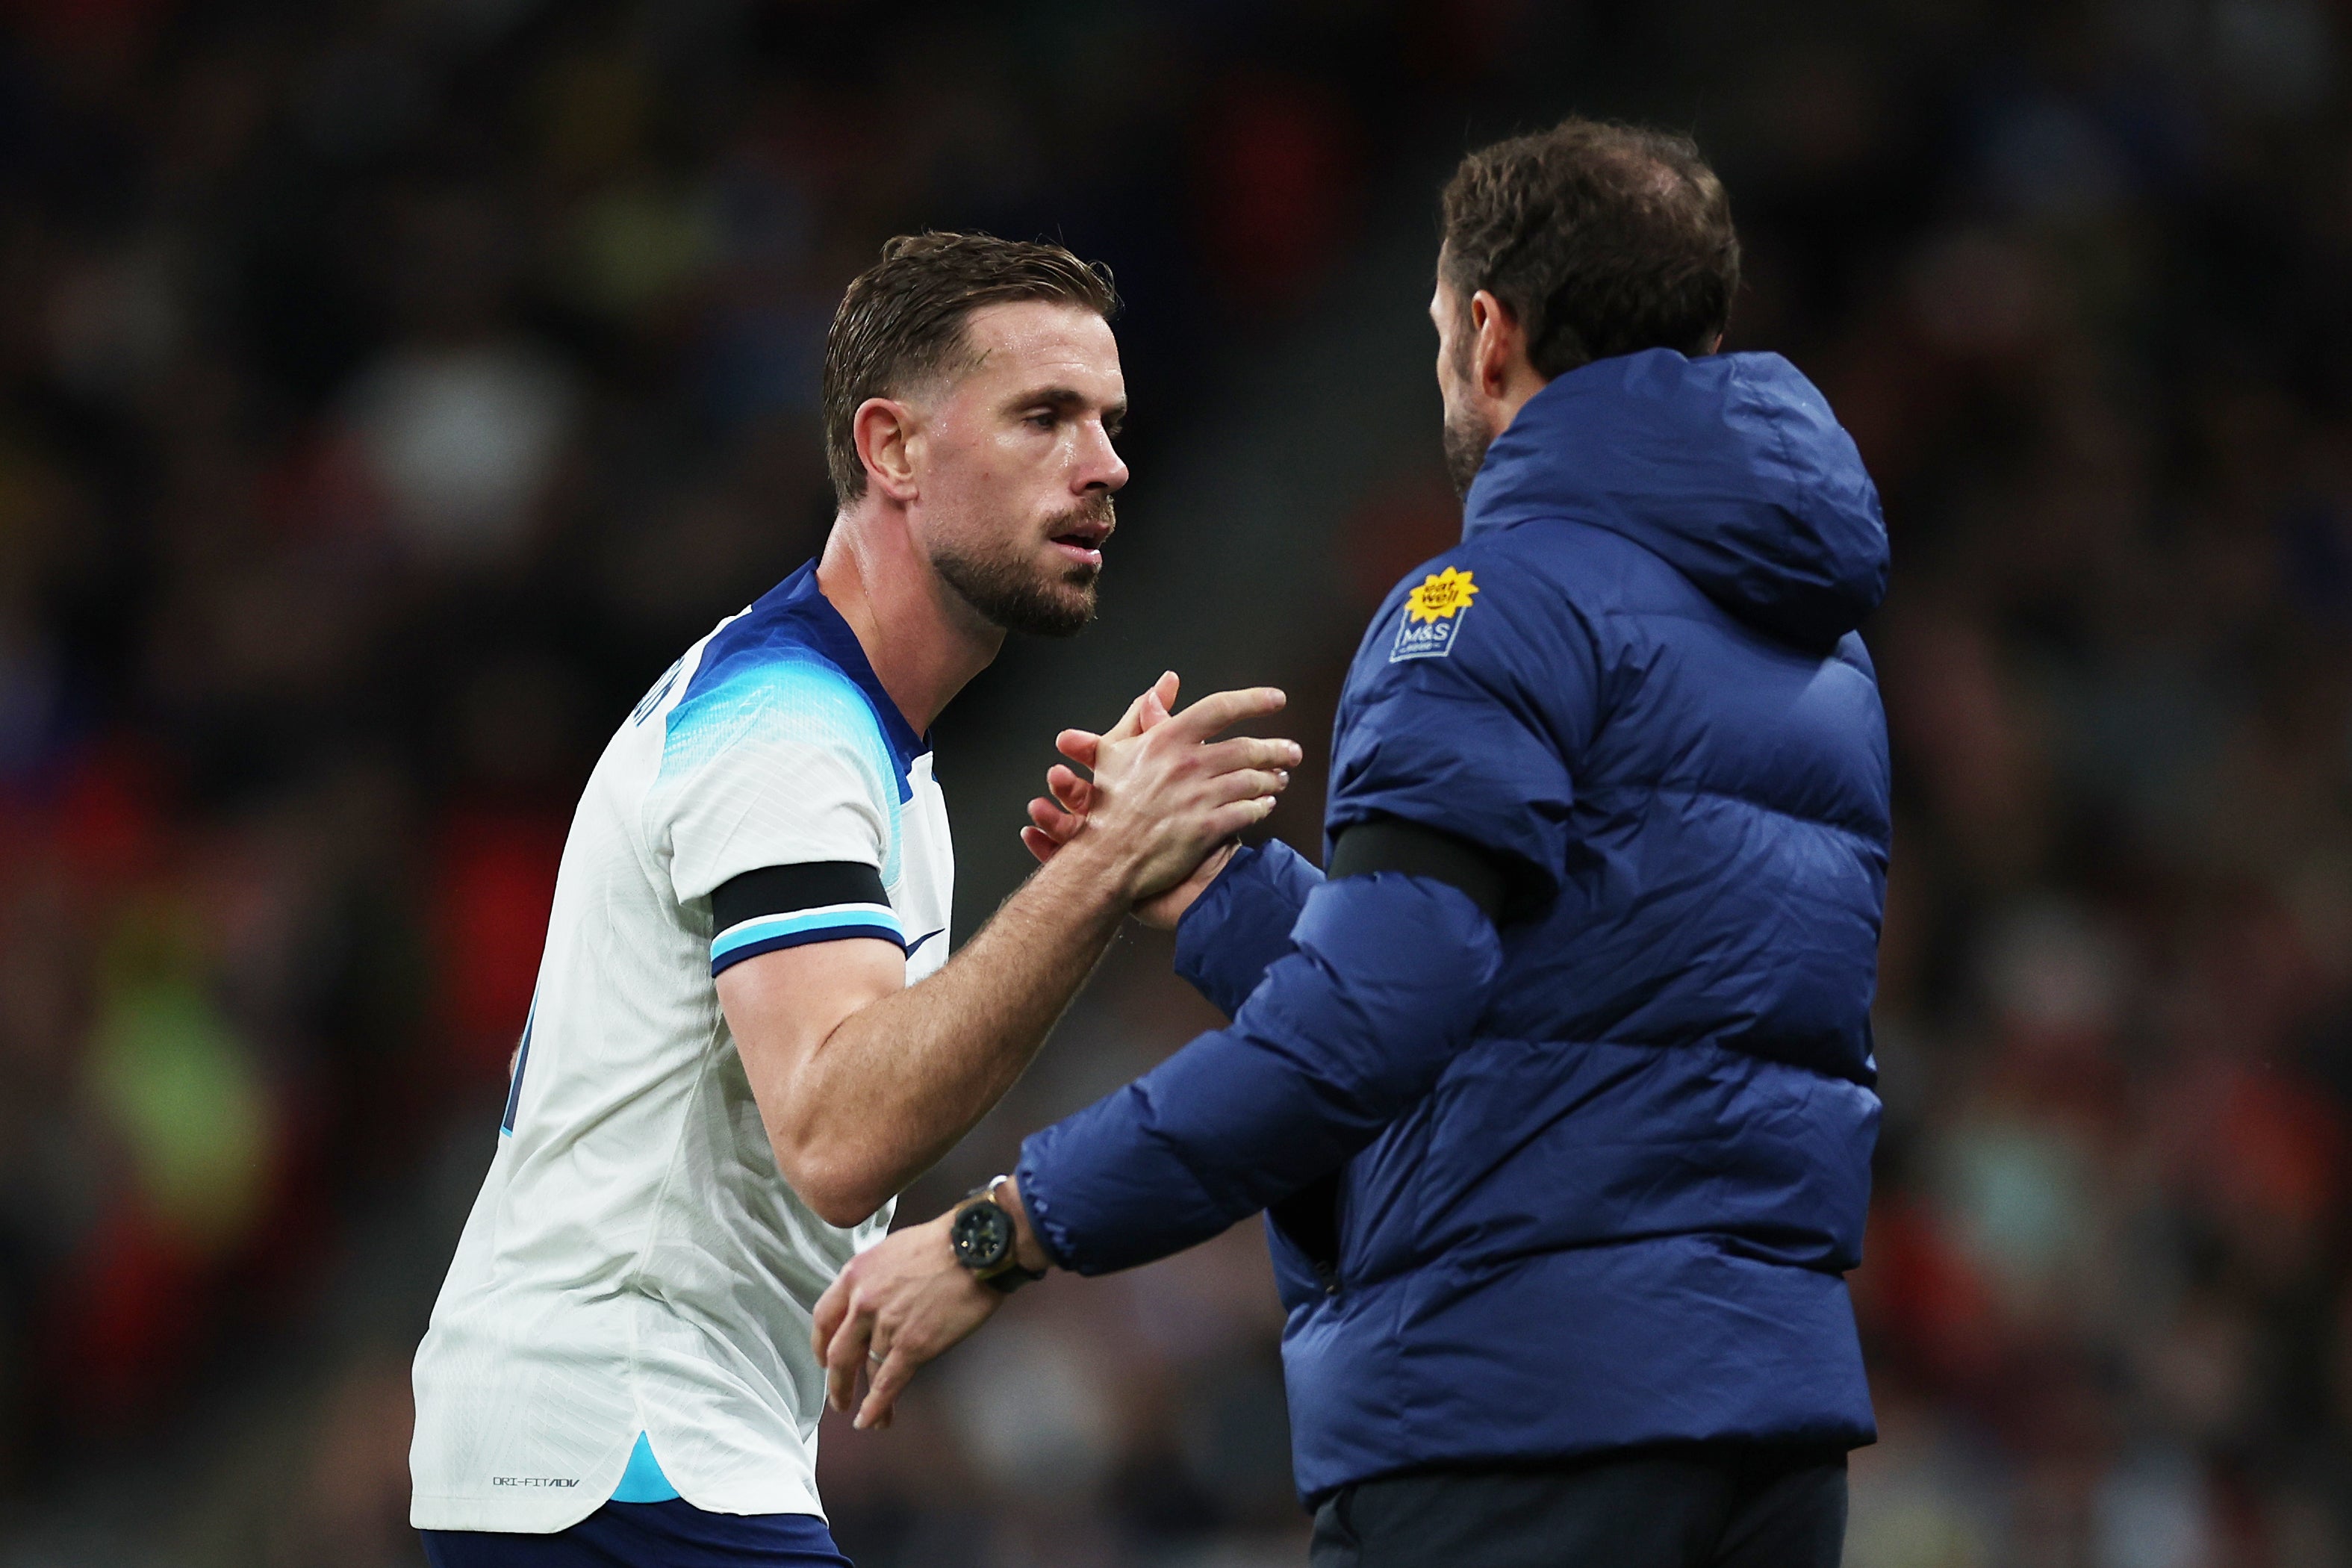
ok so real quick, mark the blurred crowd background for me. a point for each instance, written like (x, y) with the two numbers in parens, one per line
(390, 390)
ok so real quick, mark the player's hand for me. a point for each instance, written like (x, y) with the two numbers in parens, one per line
(898, 1304)
(1164, 796)
(1055, 821)
(1056, 817)
(1081, 746)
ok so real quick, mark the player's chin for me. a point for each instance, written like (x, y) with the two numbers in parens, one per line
(1063, 605)
(1072, 603)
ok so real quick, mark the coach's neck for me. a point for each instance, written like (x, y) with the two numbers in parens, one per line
(922, 639)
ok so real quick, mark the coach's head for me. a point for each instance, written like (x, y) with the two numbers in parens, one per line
(1583, 242)
(971, 395)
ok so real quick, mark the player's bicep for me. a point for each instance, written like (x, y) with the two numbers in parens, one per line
(795, 950)
(781, 1006)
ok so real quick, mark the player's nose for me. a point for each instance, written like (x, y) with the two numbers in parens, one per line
(1101, 467)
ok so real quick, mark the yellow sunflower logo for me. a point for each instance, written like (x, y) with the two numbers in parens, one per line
(1441, 597)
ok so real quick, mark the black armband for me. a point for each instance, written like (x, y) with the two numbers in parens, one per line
(789, 906)
(1392, 843)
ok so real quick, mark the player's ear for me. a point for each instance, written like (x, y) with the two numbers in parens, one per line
(884, 432)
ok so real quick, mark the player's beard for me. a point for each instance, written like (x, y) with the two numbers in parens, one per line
(1467, 440)
(1009, 590)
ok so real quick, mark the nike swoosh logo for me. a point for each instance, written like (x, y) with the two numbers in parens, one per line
(924, 937)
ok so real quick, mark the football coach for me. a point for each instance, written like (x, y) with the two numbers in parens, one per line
(1556, 1083)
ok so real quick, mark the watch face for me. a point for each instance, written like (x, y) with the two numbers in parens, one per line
(982, 1236)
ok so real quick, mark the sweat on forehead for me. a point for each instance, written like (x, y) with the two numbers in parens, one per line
(1053, 343)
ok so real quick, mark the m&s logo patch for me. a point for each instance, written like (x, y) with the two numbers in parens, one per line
(1434, 613)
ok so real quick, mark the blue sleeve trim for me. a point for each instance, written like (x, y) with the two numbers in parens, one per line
(770, 933)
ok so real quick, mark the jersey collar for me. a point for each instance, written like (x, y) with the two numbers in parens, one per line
(832, 637)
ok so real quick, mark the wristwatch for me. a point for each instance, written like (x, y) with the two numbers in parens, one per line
(985, 1238)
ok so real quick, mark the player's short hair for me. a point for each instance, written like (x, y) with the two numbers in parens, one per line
(1599, 239)
(901, 323)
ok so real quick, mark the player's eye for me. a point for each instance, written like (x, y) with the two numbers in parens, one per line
(1044, 421)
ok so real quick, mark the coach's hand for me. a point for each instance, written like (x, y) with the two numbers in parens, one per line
(900, 1303)
(1159, 787)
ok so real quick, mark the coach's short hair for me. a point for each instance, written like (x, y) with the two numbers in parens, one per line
(1599, 239)
(901, 323)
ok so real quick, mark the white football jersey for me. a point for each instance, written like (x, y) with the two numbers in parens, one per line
(635, 1266)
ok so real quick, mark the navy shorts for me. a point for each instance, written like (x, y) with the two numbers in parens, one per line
(673, 1534)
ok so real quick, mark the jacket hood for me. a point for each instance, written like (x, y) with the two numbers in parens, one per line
(1731, 467)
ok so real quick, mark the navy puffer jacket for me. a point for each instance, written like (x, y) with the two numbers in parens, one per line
(1590, 1177)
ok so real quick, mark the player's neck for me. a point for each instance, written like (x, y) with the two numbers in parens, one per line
(923, 641)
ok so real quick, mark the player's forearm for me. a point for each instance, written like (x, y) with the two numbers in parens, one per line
(895, 1086)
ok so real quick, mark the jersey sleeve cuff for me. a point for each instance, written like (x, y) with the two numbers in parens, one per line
(778, 907)
(771, 933)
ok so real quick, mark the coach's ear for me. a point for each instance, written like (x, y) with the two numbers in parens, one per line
(889, 444)
(1498, 350)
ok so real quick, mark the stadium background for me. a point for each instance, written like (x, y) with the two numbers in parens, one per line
(389, 391)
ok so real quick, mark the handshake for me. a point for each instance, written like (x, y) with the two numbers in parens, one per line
(1152, 828)
(1166, 802)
